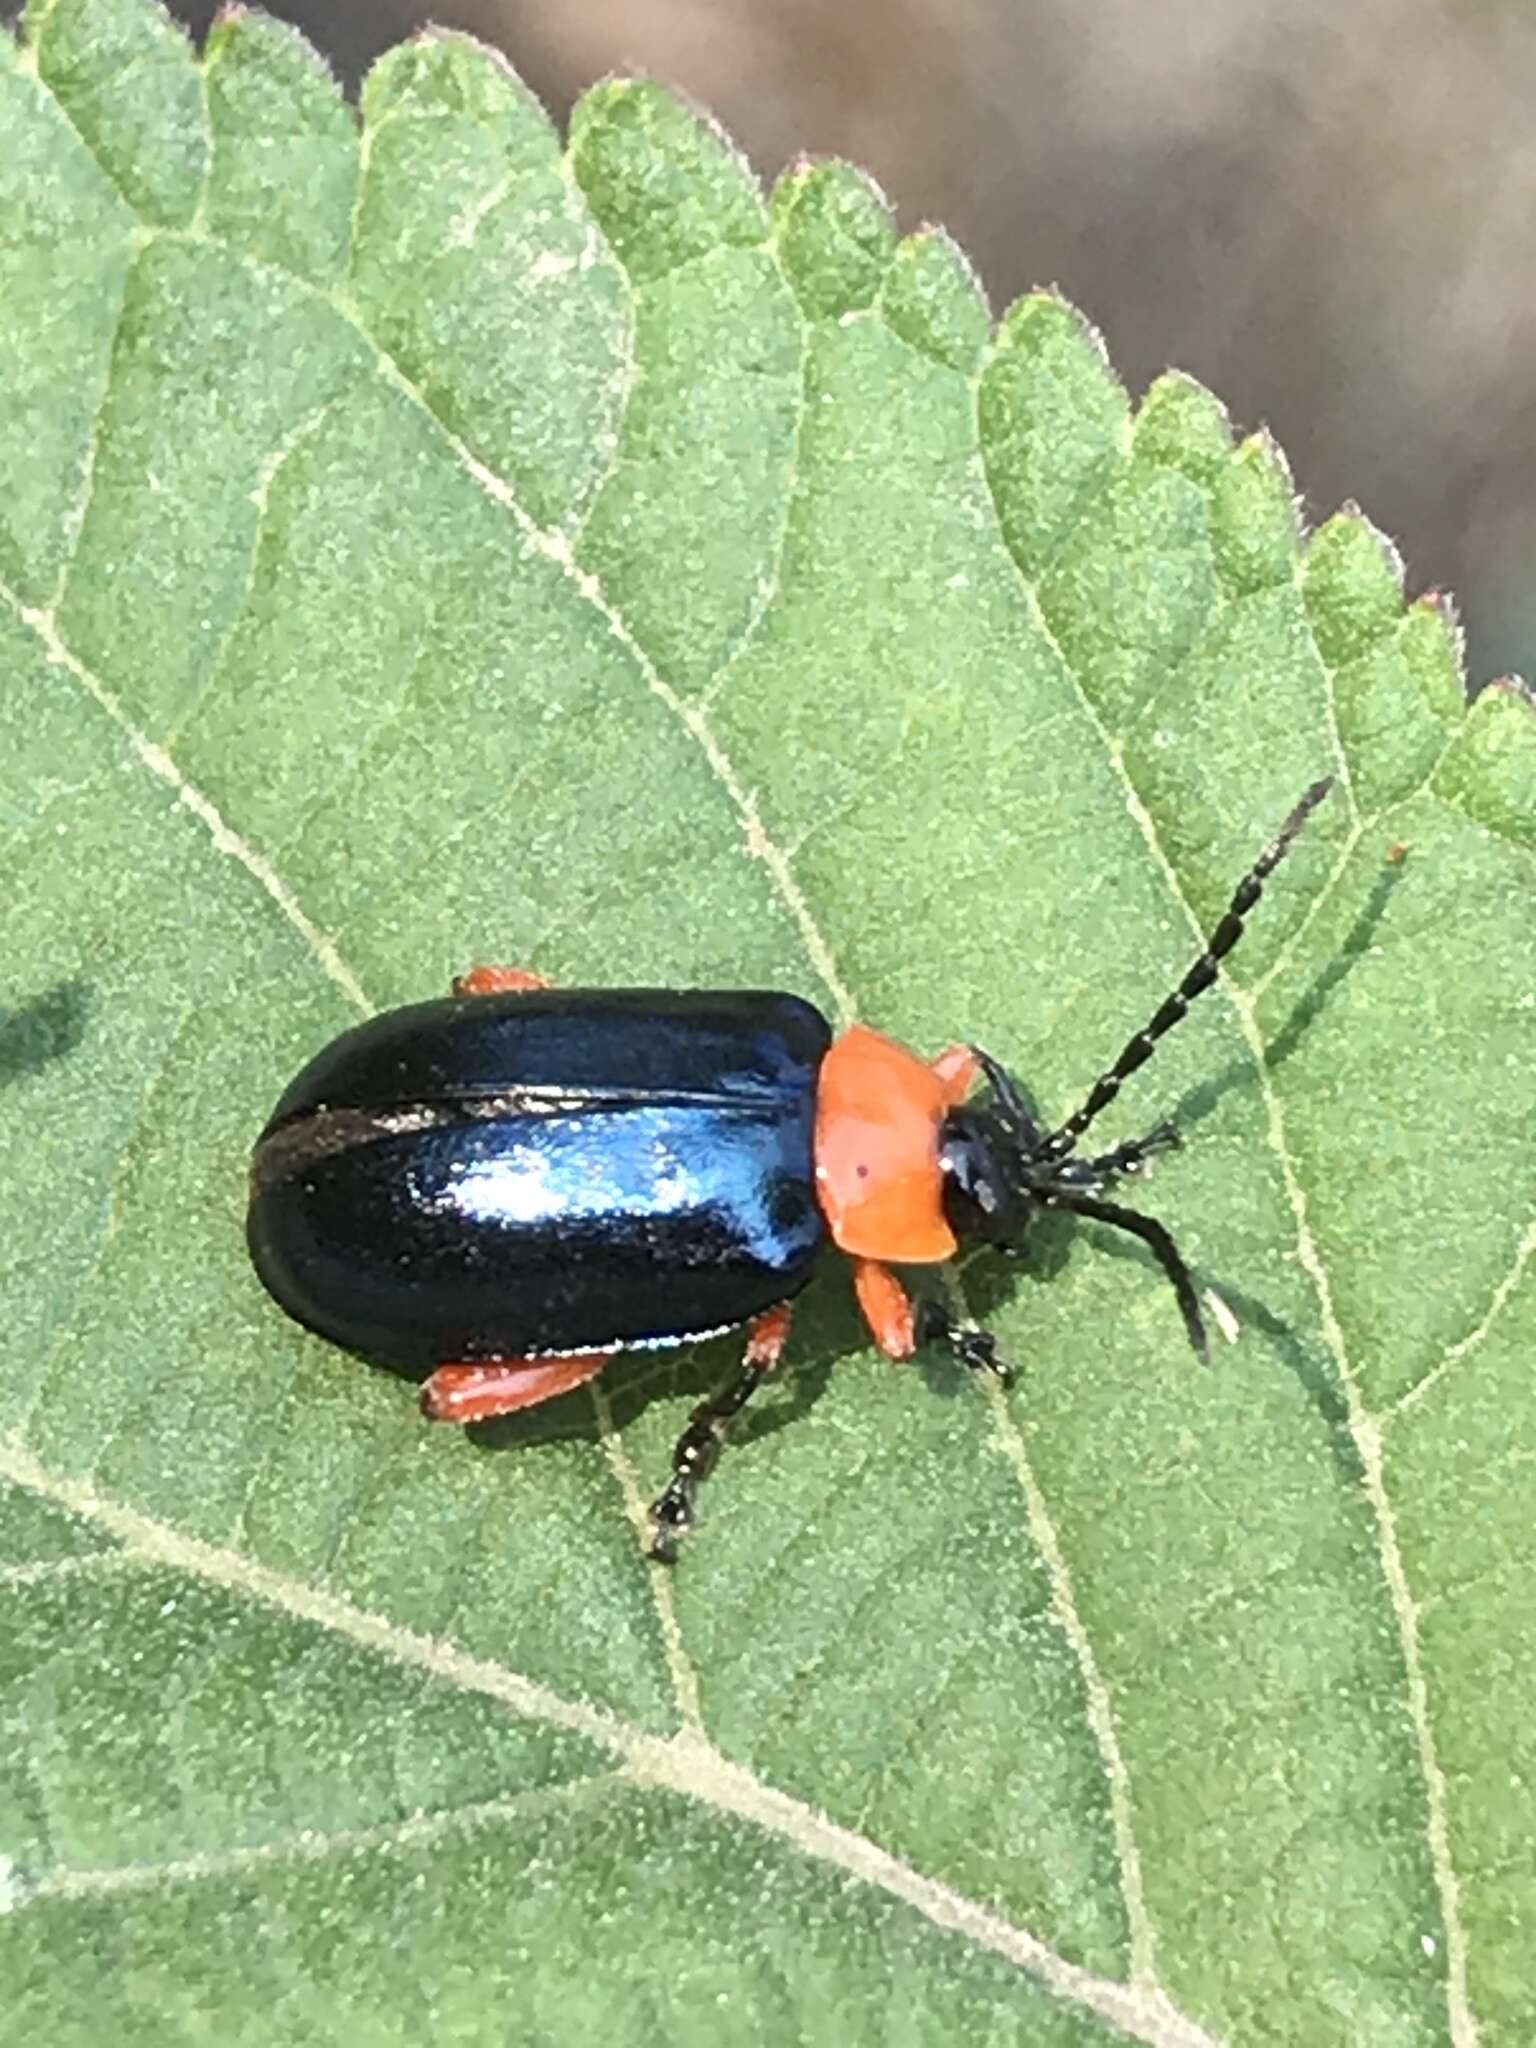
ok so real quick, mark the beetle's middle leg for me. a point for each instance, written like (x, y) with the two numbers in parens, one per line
(699, 1446)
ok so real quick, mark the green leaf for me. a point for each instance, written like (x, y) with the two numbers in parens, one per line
(432, 545)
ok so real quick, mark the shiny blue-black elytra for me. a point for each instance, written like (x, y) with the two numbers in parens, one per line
(494, 1175)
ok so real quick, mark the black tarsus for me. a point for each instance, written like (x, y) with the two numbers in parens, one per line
(976, 1348)
(1138, 1050)
(1163, 1249)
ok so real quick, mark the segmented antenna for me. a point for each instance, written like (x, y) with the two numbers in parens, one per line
(1139, 1049)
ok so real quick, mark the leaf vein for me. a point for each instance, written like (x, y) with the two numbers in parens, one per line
(759, 844)
(75, 523)
(1474, 1337)
(1324, 895)
(680, 1764)
(225, 838)
(1100, 1707)
(685, 1680)
(772, 584)
(308, 1845)
(40, 19)
(555, 547)
(1098, 1699)
(268, 472)
(627, 374)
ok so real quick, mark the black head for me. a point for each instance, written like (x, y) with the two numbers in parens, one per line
(985, 1173)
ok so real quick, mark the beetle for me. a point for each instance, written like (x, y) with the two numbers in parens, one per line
(511, 1185)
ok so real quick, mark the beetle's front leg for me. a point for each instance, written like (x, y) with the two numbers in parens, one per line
(944, 1321)
(699, 1446)
(901, 1328)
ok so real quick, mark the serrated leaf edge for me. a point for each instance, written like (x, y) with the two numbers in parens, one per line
(1364, 1428)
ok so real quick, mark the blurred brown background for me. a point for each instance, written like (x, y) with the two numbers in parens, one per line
(1327, 214)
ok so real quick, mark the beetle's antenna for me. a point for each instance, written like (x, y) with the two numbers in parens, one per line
(1138, 1050)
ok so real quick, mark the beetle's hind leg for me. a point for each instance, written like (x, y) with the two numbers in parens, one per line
(497, 981)
(699, 1446)
(501, 1386)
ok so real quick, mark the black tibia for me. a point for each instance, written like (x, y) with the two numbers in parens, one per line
(1224, 937)
(1163, 1249)
(699, 1447)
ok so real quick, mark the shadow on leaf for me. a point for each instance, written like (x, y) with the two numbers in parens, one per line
(1314, 1000)
(1309, 1366)
(46, 1029)
(1203, 1099)
(1305, 1362)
